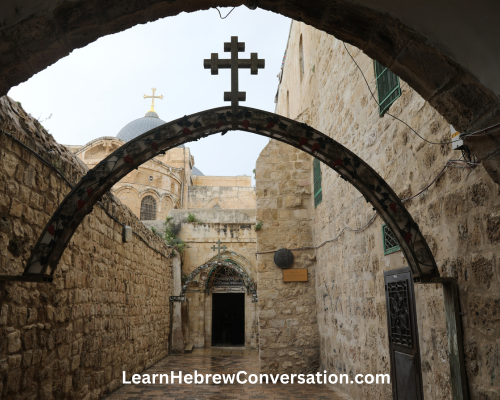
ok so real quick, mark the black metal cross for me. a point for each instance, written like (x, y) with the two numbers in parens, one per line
(223, 248)
(253, 63)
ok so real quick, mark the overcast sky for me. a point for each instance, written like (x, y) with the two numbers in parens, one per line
(97, 90)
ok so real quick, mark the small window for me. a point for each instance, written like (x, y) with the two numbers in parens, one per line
(390, 242)
(148, 209)
(318, 192)
(388, 88)
(150, 178)
(216, 207)
(301, 57)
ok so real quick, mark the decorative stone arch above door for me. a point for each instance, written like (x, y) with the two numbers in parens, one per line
(210, 267)
(82, 198)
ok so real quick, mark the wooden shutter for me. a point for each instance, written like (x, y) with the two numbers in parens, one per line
(318, 193)
(388, 88)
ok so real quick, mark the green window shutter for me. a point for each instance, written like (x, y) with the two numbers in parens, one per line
(388, 88)
(391, 244)
(318, 193)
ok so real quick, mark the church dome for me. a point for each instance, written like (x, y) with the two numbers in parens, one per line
(139, 126)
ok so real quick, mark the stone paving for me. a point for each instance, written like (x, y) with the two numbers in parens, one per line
(217, 361)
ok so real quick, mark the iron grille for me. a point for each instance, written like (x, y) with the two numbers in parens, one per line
(399, 313)
(388, 88)
(148, 209)
(391, 244)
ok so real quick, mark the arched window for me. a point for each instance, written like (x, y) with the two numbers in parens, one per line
(148, 209)
(301, 57)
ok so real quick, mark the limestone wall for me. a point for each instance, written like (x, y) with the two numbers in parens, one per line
(288, 332)
(217, 194)
(235, 230)
(459, 215)
(107, 310)
(153, 178)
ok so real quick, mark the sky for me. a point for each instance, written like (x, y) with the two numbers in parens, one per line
(98, 89)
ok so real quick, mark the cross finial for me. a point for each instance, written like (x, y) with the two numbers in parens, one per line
(153, 97)
(223, 248)
(253, 63)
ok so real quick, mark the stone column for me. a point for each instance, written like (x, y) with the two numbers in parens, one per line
(177, 337)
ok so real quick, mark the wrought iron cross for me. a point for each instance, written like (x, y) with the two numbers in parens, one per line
(153, 97)
(223, 248)
(253, 63)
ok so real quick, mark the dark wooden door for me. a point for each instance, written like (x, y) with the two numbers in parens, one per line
(406, 372)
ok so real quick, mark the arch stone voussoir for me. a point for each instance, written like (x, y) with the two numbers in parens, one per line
(210, 266)
(81, 200)
(32, 39)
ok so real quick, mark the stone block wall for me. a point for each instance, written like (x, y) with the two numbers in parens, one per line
(288, 330)
(459, 216)
(225, 197)
(107, 310)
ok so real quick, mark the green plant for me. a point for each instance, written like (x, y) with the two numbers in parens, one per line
(171, 231)
(155, 231)
(258, 225)
(192, 218)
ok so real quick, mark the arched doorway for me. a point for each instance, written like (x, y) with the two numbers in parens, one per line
(80, 201)
(226, 297)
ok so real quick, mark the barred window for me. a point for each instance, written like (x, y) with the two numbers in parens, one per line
(318, 191)
(148, 209)
(387, 87)
(391, 244)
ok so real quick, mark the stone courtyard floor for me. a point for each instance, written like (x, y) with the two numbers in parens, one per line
(217, 361)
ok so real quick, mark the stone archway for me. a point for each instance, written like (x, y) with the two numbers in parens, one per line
(81, 200)
(456, 76)
(211, 266)
(227, 287)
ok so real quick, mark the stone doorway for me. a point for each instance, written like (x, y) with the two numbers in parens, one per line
(228, 319)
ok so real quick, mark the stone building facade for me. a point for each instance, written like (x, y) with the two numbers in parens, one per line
(169, 181)
(170, 185)
(234, 230)
(458, 214)
(107, 309)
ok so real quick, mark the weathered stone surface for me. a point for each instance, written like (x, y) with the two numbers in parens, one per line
(283, 203)
(458, 215)
(109, 303)
(32, 40)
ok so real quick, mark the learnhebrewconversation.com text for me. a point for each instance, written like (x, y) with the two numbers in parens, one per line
(243, 378)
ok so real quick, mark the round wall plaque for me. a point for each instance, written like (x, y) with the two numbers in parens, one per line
(283, 258)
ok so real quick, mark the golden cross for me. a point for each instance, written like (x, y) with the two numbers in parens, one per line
(153, 97)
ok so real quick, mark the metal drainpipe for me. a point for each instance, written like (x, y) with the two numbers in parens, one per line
(183, 178)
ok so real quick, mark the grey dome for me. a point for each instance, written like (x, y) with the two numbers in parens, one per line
(139, 126)
(197, 172)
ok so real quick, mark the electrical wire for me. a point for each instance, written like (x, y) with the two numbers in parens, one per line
(227, 15)
(478, 133)
(43, 160)
(449, 163)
